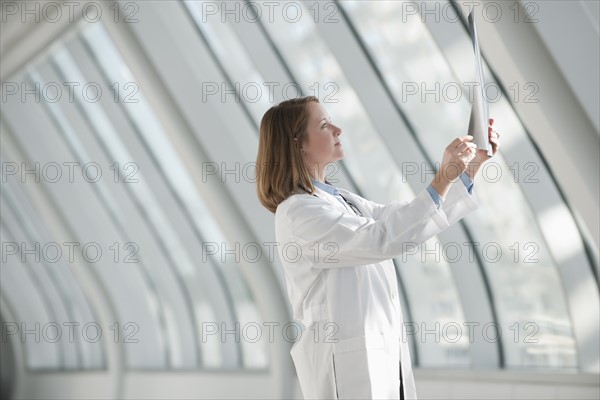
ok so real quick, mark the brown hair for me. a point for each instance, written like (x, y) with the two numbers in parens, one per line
(280, 170)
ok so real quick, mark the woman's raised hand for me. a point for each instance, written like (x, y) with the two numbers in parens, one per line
(456, 159)
(463, 155)
(457, 156)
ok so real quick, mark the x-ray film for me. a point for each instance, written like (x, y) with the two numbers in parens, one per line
(479, 121)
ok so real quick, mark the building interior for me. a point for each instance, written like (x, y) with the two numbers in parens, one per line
(137, 261)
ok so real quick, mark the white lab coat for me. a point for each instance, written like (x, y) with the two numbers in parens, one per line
(338, 270)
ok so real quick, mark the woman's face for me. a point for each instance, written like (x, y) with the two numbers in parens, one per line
(322, 144)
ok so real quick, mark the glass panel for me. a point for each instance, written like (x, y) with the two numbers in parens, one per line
(528, 294)
(75, 201)
(162, 213)
(52, 276)
(243, 306)
(248, 82)
(35, 325)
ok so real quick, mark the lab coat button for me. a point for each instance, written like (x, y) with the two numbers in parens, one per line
(394, 295)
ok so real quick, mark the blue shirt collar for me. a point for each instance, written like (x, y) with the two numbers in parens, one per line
(326, 187)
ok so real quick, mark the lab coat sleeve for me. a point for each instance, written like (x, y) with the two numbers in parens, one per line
(456, 205)
(458, 202)
(330, 238)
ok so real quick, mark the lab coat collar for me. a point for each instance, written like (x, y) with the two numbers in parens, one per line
(331, 199)
(326, 186)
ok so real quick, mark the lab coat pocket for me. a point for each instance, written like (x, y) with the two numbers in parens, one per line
(362, 368)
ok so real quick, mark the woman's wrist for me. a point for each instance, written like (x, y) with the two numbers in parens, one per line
(441, 183)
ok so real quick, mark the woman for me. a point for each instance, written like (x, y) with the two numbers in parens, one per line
(336, 248)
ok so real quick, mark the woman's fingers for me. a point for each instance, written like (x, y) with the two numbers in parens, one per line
(466, 145)
(494, 141)
(460, 140)
(463, 142)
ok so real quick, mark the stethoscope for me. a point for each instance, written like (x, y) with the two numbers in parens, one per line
(352, 206)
